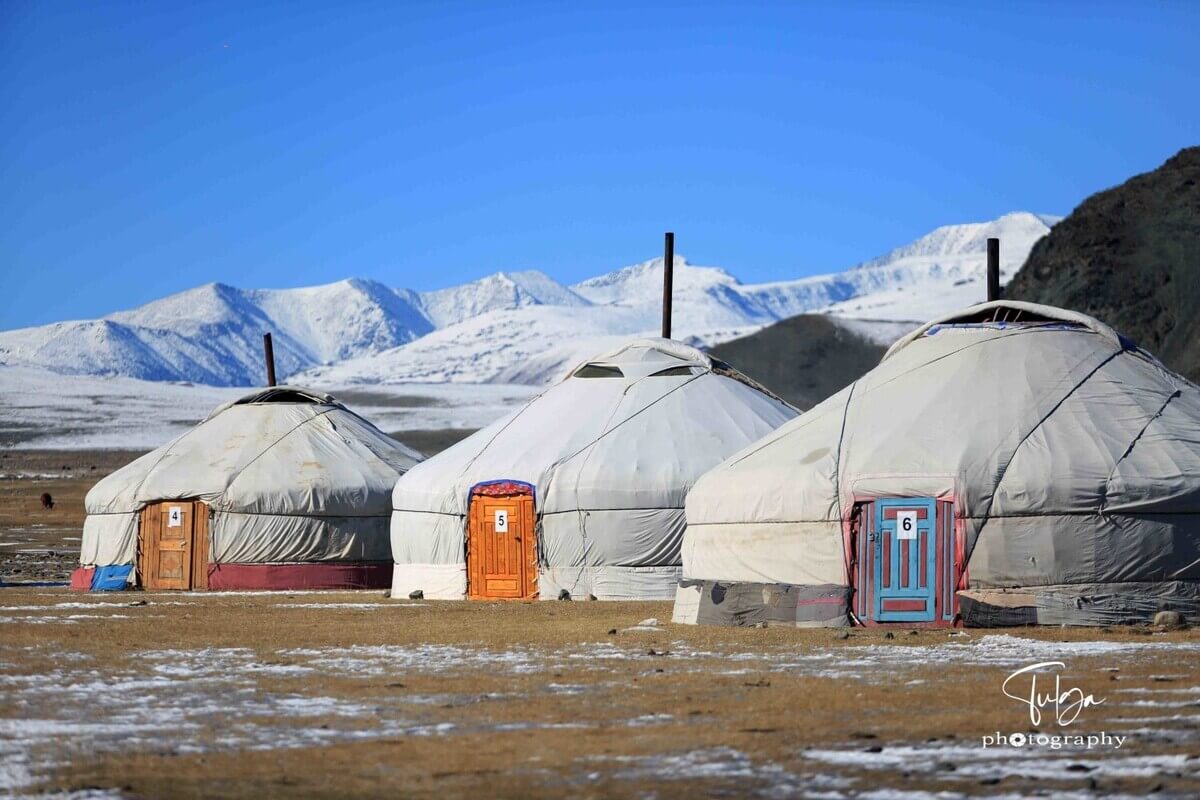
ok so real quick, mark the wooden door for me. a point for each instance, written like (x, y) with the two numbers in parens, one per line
(173, 545)
(905, 575)
(905, 568)
(501, 556)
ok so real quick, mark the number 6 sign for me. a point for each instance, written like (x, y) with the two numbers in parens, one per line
(906, 524)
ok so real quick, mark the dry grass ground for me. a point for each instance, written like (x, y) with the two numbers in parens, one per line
(36, 543)
(352, 695)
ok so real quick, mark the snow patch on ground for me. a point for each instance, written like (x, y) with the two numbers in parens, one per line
(193, 701)
(40, 409)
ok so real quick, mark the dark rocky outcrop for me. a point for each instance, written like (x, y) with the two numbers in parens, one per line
(802, 359)
(1130, 256)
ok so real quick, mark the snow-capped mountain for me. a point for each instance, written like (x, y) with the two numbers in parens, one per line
(213, 334)
(513, 327)
(504, 290)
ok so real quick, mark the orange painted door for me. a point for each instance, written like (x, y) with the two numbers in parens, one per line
(501, 554)
(173, 560)
(174, 545)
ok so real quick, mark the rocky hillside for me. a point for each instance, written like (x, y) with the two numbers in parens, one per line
(1131, 257)
(821, 356)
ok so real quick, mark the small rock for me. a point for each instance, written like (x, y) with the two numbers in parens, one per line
(592, 596)
(138, 603)
(873, 749)
(386, 593)
(842, 635)
(989, 781)
(913, 632)
(648, 623)
(862, 735)
(416, 594)
(1079, 768)
(612, 631)
(946, 766)
(1171, 620)
(889, 635)
(564, 595)
(653, 652)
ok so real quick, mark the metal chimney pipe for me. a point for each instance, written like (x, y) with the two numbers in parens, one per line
(668, 278)
(993, 269)
(269, 355)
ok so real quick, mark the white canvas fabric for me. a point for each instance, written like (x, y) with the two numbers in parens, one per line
(611, 460)
(289, 475)
(1071, 456)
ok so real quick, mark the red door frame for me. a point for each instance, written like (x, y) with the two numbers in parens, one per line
(952, 574)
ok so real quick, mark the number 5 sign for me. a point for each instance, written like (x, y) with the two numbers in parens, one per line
(906, 524)
(501, 520)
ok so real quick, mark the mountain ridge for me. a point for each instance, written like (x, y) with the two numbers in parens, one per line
(508, 325)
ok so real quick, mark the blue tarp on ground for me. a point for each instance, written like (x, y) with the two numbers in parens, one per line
(112, 578)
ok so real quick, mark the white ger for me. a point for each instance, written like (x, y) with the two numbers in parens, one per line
(581, 490)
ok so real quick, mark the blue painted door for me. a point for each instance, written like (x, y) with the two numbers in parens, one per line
(905, 559)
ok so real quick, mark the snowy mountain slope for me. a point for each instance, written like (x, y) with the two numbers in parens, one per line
(477, 350)
(519, 326)
(705, 298)
(503, 290)
(344, 319)
(213, 333)
(642, 283)
(40, 409)
(320, 323)
(880, 299)
(104, 347)
(942, 271)
(1017, 233)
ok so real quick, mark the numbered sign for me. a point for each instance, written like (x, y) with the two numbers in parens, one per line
(501, 520)
(906, 524)
(175, 517)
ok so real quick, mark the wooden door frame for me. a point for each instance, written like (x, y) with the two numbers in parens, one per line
(149, 529)
(527, 502)
(950, 566)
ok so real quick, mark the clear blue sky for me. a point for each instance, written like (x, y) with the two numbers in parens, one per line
(146, 148)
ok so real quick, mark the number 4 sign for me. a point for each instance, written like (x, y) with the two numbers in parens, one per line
(175, 517)
(906, 524)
